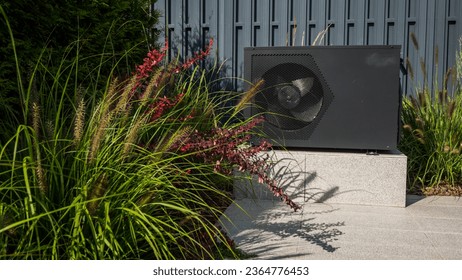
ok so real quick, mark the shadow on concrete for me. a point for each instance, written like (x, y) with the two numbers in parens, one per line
(293, 178)
(319, 234)
(411, 199)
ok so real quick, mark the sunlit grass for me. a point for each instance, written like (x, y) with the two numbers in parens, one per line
(432, 133)
(91, 175)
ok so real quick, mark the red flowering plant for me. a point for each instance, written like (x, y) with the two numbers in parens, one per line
(160, 85)
(172, 97)
(226, 149)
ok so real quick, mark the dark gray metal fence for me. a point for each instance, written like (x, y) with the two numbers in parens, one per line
(235, 24)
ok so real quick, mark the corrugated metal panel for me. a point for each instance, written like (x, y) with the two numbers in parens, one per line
(236, 24)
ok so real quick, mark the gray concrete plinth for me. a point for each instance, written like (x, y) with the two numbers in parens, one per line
(334, 177)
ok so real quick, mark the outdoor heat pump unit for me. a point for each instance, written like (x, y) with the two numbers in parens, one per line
(336, 97)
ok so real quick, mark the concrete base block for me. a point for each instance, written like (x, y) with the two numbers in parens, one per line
(334, 177)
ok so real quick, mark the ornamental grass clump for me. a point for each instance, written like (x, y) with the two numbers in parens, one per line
(139, 170)
(432, 134)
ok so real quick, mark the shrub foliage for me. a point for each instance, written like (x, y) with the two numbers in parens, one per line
(100, 33)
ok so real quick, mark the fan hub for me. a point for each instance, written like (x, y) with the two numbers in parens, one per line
(289, 97)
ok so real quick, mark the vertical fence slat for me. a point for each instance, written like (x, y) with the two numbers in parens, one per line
(317, 20)
(336, 20)
(279, 22)
(260, 23)
(298, 22)
(174, 27)
(242, 36)
(236, 24)
(354, 22)
(453, 31)
(416, 32)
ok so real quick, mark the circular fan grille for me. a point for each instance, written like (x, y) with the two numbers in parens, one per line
(293, 97)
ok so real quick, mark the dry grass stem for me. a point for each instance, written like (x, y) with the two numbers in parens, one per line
(36, 118)
(447, 76)
(410, 69)
(423, 68)
(79, 122)
(414, 41)
(451, 108)
(40, 173)
(147, 94)
(294, 31)
(178, 136)
(320, 37)
(249, 95)
(437, 56)
(98, 136)
(132, 136)
(97, 192)
(124, 98)
(112, 89)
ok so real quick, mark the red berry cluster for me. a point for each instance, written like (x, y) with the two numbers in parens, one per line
(162, 104)
(152, 59)
(227, 149)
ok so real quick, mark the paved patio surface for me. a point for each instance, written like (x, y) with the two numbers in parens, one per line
(428, 228)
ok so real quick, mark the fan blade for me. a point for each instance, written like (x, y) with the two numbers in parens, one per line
(279, 117)
(304, 85)
(308, 108)
(279, 81)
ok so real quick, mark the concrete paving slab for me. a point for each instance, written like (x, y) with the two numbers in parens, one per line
(437, 212)
(449, 245)
(428, 228)
(439, 225)
(385, 252)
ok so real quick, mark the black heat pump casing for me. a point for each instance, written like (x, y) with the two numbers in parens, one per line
(339, 97)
